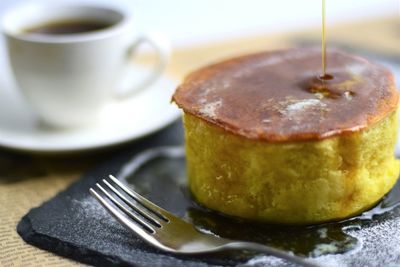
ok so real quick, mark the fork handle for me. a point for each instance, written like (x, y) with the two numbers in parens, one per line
(250, 246)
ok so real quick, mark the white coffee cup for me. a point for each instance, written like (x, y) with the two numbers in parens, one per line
(68, 78)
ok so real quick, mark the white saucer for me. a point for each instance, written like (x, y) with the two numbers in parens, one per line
(124, 121)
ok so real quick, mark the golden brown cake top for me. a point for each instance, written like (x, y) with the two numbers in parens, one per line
(278, 96)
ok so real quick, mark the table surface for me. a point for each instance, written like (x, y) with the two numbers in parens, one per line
(27, 180)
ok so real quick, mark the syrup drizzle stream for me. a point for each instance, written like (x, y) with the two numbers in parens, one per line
(323, 43)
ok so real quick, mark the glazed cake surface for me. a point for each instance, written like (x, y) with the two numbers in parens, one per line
(276, 96)
(267, 140)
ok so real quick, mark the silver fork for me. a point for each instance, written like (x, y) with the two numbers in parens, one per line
(167, 232)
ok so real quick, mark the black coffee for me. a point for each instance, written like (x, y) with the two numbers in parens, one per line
(68, 27)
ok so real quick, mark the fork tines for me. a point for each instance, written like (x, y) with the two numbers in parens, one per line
(125, 202)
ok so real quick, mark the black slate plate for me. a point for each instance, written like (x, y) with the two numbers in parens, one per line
(74, 225)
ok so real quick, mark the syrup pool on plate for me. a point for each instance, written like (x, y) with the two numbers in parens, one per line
(159, 174)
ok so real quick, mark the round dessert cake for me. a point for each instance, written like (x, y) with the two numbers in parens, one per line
(268, 140)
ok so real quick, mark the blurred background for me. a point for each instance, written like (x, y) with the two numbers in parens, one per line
(196, 21)
(200, 23)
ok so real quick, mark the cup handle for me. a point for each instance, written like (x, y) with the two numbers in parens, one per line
(162, 47)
